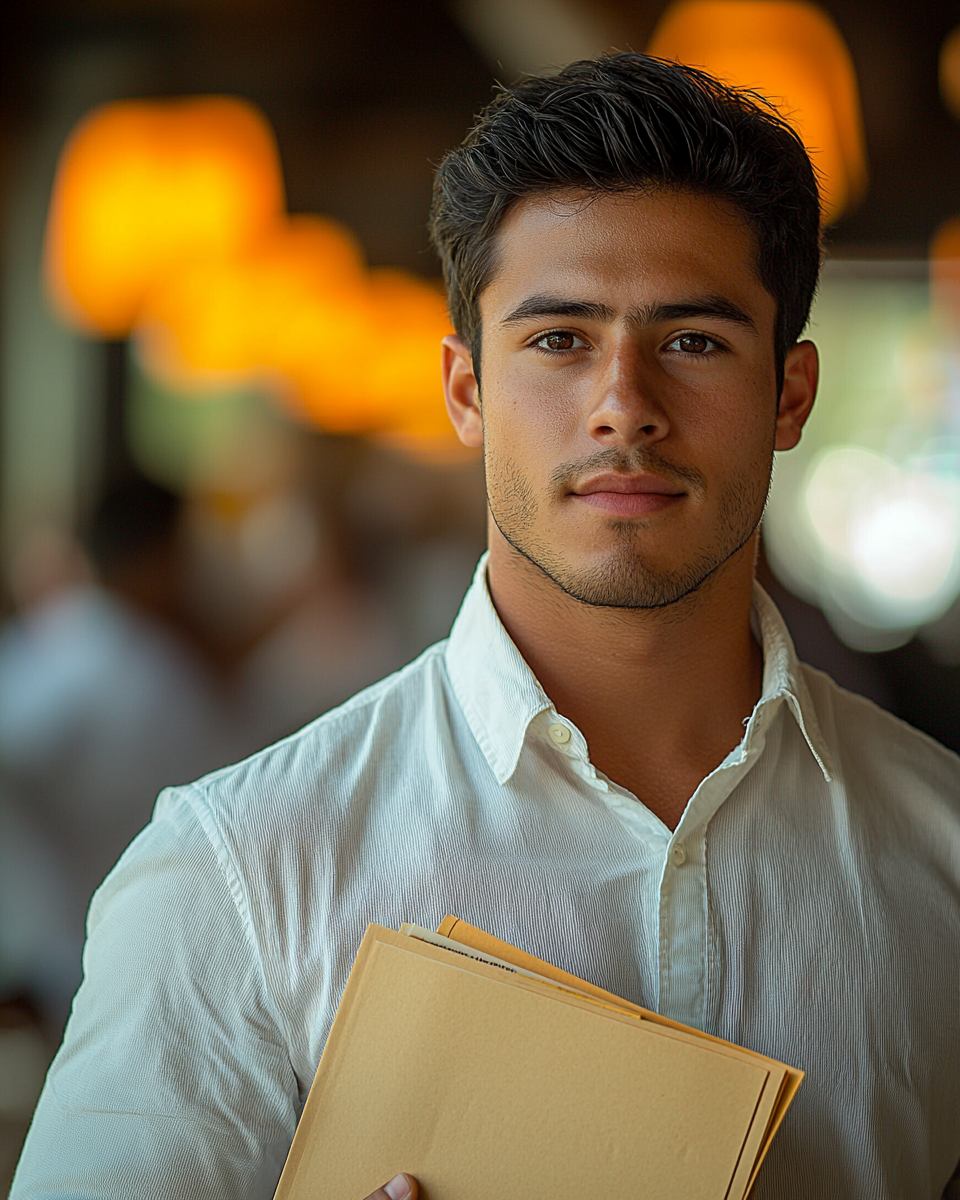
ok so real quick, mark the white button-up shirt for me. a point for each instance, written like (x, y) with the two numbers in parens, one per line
(806, 906)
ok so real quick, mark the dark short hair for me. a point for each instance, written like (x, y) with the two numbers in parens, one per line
(620, 123)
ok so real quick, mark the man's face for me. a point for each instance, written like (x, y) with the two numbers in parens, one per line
(629, 403)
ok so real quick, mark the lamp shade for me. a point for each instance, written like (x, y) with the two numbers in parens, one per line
(167, 223)
(144, 188)
(294, 293)
(950, 71)
(384, 376)
(792, 53)
(349, 350)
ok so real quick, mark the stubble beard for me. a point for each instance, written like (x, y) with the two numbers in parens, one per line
(624, 577)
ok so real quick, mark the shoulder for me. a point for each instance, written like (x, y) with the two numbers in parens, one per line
(323, 764)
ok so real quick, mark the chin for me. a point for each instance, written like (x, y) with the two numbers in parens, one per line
(627, 580)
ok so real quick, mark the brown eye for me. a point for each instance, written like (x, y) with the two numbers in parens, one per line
(559, 341)
(693, 343)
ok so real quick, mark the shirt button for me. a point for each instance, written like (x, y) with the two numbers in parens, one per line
(678, 855)
(559, 734)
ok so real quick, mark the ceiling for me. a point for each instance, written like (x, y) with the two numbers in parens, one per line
(366, 96)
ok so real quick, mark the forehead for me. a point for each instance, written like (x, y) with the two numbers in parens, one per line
(628, 246)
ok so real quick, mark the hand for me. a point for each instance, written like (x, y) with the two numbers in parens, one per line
(400, 1187)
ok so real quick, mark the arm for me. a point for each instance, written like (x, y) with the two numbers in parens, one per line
(173, 1079)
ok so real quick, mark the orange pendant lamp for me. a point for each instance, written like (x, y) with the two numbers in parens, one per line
(792, 53)
(222, 319)
(167, 222)
(350, 350)
(145, 187)
(383, 375)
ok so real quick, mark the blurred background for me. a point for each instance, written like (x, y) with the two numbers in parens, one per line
(228, 494)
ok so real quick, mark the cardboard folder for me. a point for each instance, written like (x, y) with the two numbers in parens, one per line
(487, 1073)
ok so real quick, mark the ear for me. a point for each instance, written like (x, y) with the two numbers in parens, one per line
(461, 391)
(801, 370)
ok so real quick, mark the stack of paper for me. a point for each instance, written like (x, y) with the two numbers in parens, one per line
(491, 1075)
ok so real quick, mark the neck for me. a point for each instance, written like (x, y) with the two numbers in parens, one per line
(659, 694)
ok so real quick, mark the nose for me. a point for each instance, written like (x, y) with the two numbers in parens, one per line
(625, 409)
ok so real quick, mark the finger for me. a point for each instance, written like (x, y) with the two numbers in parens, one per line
(400, 1187)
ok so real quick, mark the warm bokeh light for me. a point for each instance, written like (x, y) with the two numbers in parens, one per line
(409, 319)
(792, 53)
(167, 223)
(222, 320)
(349, 350)
(950, 71)
(382, 374)
(945, 271)
(146, 187)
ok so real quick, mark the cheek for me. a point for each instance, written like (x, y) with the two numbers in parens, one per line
(730, 420)
(529, 422)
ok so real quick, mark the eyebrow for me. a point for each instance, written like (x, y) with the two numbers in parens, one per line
(717, 307)
(555, 306)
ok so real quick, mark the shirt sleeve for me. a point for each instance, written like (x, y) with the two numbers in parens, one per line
(173, 1078)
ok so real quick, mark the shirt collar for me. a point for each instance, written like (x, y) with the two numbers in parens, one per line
(783, 678)
(497, 691)
(500, 695)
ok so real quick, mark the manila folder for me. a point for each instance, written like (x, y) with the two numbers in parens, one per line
(488, 1084)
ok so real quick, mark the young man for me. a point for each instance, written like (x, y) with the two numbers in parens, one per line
(615, 761)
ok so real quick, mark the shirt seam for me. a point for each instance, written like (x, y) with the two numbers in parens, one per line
(195, 795)
(365, 698)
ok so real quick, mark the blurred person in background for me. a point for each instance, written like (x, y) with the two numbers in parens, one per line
(102, 702)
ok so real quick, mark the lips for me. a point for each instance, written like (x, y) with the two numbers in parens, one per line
(628, 495)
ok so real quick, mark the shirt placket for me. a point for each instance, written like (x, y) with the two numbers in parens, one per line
(682, 928)
(683, 936)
